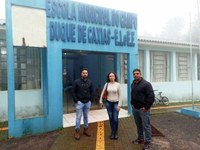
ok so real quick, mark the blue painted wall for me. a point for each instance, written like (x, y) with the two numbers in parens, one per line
(120, 37)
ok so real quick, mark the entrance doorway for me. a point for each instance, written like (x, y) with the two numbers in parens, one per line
(98, 65)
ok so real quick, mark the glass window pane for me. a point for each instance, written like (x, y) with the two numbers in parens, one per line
(3, 80)
(3, 66)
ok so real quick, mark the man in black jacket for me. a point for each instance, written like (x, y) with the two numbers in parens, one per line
(142, 98)
(82, 92)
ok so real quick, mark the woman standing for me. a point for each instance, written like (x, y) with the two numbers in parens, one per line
(113, 102)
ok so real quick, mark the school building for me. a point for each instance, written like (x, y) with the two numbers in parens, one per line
(41, 55)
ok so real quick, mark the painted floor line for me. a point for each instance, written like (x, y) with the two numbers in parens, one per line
(100, 142)
(3, 129)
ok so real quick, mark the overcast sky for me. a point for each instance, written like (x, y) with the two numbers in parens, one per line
(2, 9)
(152, 14)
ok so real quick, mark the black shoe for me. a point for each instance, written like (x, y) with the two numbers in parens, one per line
(116, 136)
(147, 145)
(138, 141)
(112, 136)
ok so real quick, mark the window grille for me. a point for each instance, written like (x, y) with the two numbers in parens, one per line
(27, 68)
(183, 67)
(159, 66)
(3, 66)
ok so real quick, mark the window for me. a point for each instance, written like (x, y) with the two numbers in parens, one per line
(3, 67)
(27, 68)
(28, 89)
(27, 63)
(159, 66)
(183, 67)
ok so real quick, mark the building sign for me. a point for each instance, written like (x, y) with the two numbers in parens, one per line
(74, 22)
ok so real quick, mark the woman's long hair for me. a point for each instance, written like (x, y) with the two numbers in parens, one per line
(108, 80)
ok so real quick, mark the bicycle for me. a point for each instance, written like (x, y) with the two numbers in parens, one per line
(159, 99)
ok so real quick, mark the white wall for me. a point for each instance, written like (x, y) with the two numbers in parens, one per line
(3, 105)
(29, 23)
(179, 91)
(28, 103)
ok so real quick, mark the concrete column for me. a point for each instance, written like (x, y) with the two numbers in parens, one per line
(173, 66)
(132, 63)
(195, 67)
(147, 66)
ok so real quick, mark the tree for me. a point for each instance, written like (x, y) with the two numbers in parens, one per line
(174, 29)
(195, 31)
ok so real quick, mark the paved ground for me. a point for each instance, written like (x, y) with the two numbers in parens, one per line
(181, 133)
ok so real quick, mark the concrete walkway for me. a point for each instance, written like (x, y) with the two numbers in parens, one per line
(93, 116)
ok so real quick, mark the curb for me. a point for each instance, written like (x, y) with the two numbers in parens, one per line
(176, 106)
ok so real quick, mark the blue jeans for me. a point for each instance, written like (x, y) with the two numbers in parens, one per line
(113, 115)
(82, 108)
(142, 121)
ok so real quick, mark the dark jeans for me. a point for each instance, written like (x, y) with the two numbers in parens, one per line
(142, 121)
(113, 115)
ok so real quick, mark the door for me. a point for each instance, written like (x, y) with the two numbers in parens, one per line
(98, 65)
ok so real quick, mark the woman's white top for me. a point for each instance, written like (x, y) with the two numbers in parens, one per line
(114, 92)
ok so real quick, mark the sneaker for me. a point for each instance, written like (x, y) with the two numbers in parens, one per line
(138, 141)
(147, 145)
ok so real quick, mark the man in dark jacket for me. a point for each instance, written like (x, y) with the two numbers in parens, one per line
(142, 98)
(82, 91)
